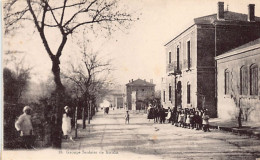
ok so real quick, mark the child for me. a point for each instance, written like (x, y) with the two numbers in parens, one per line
(205, 122)
(192, 118)
(181, 119)
(196, 120)
(127, 117)
(184, 118)
(188, 120)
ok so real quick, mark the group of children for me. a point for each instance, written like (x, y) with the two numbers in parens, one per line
(189, 118)
(186, 118)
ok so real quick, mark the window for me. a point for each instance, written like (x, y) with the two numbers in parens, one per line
(243, 80)
(188, 55)
(142, 89)
(254, 79)
(188, 93)
(178, 58)
(170, 92)
(227, 82)
(170, 57)
(163, 96)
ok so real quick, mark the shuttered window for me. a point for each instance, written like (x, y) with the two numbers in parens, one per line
(243, 80)
(178, 58)
(227, 82)
(188, 55)
(254, 79)
(163, 96)
(170, 57)
(170, 92)
(188, 94)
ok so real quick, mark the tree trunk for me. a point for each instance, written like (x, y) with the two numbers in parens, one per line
(76, 122)
(89, 111)
(59, 103)
(239, 118)
(83, 117)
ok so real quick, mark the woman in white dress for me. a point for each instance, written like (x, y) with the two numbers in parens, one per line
(66, 123)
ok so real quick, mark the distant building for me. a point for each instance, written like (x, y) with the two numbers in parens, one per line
(116, 96)
(238, 73)
(118, 101)
(190, 79)
(137, 91)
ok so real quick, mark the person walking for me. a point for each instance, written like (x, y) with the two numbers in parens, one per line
(127, 117)
(66, 124)
(24, 126)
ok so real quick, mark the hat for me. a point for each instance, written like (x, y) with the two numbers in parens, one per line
(26, 108)
(66, 107)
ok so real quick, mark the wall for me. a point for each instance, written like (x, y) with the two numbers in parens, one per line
(186, 75)
(232, 36)
(206, 69)
(226, 105)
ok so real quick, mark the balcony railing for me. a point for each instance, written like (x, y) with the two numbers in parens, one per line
(172, 67)
(187, 64)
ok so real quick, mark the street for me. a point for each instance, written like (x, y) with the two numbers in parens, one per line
(109, 136)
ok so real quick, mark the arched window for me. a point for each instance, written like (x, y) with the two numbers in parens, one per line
(243, 81)
(227, 81)
(188, 93)
(254, 79)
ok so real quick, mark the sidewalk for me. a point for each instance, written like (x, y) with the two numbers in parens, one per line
(248, 128)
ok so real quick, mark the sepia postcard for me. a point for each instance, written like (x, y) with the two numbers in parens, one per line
(130, 79)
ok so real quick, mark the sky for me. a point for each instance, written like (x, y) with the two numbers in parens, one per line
(139, 51)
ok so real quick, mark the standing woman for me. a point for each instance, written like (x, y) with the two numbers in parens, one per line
(66, 123)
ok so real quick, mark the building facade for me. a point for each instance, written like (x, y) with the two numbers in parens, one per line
(190, 80)
(238, 77)
(136, 93)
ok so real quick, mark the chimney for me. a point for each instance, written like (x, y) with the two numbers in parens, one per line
(151, 80)
(132, 80)
(251, 13)
(145, 80)
(220, 14)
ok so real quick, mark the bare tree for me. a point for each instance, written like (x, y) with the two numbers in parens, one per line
(64, 18)
(89, 77)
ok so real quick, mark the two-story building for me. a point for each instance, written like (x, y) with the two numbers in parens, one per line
(136, 93)
(190, 80)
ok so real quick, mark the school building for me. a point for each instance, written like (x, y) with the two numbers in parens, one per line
(191, 78)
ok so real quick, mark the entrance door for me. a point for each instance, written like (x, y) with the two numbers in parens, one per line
(179, 91)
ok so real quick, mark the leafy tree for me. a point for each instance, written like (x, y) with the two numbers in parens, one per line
(15, 84)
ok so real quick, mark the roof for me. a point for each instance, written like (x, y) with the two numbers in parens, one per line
(140, 82)
(229, 16)
(210, 19)
(248, 46)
